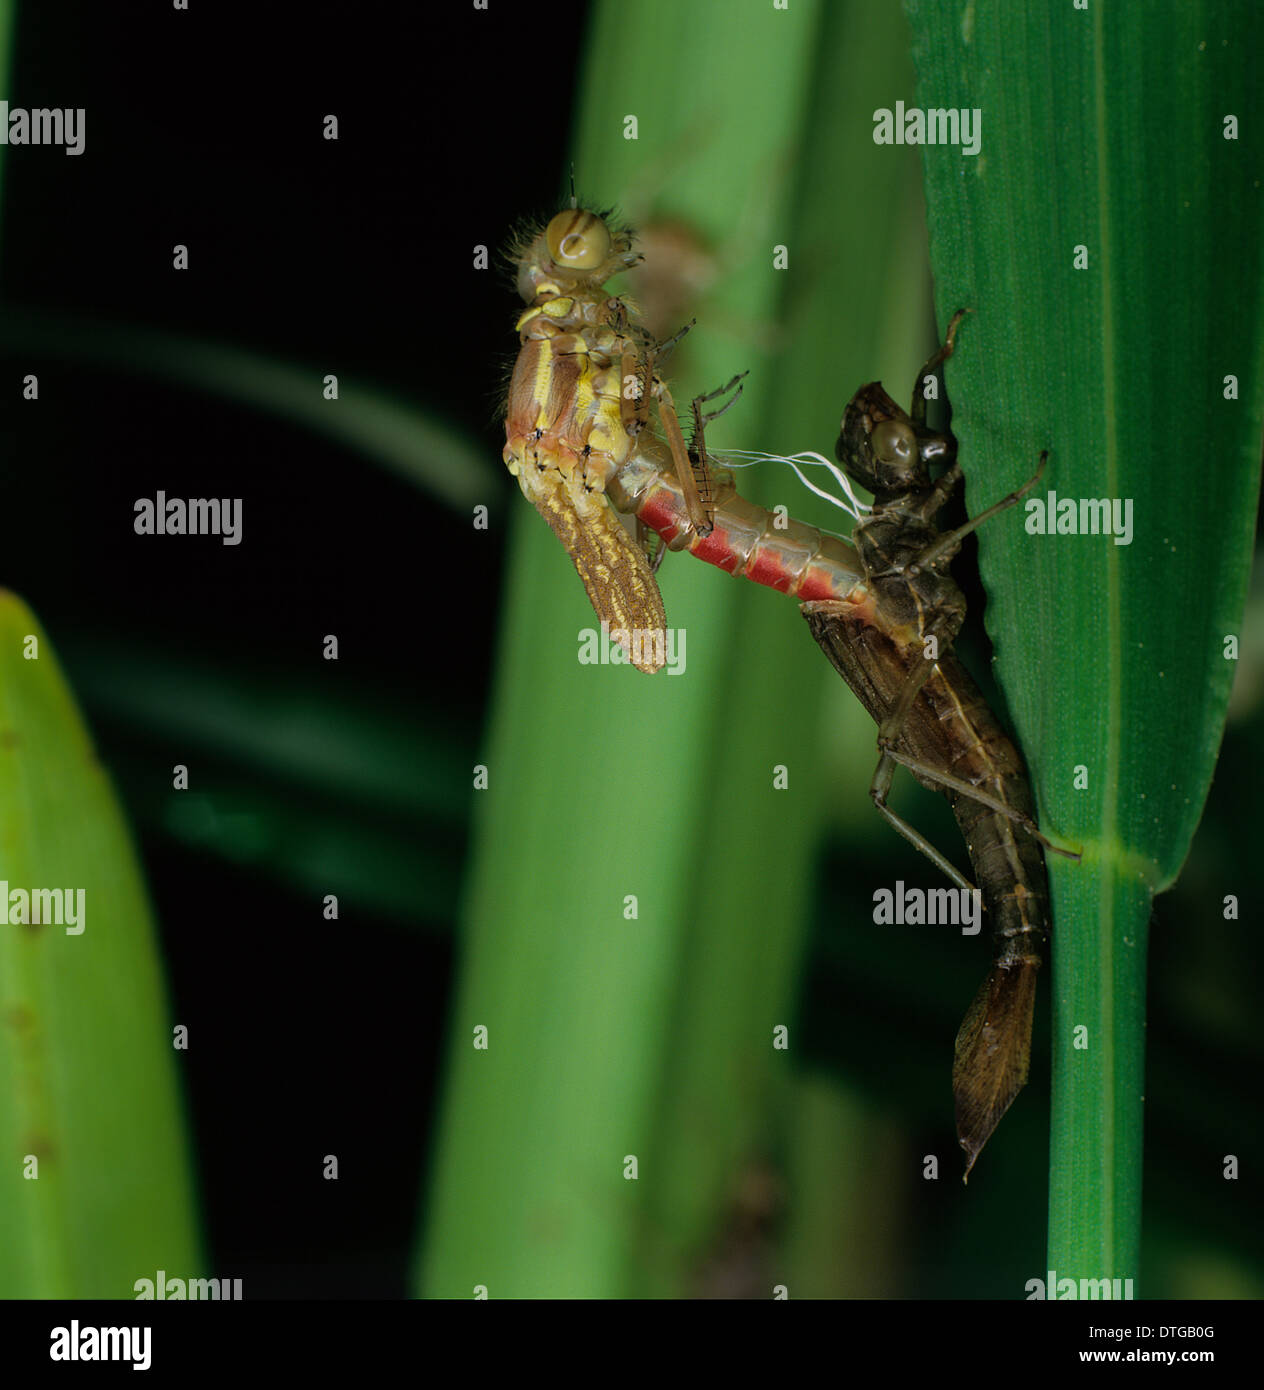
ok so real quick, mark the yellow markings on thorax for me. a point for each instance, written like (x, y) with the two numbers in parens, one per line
(541, 386)
(584, 389)
(566, 435)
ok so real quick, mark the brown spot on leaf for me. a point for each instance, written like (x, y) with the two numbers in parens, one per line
(41, 1147)
(19, 1018)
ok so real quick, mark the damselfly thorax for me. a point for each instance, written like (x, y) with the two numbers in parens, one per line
(579, 411)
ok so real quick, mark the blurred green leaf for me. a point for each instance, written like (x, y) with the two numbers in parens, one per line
(88, 1081)
(414, 443)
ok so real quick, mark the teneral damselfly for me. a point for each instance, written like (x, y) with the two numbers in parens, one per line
(578, 411)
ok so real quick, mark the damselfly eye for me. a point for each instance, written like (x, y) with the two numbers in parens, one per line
(577, 240)
(893, 442)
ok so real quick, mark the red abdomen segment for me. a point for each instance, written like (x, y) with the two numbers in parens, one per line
(747, 541)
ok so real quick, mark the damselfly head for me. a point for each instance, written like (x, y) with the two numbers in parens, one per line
(883, 449)
(577, 250)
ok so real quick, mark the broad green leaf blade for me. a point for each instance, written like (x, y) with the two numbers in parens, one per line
(1107, 235)
(88, 1084)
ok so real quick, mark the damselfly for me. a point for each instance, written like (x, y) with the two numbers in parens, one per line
(578, 411)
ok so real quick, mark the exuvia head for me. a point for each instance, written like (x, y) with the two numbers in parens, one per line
(576, 251)
(884, 450)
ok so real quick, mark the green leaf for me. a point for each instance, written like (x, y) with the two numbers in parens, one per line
(88, 1081)
(1104, 146)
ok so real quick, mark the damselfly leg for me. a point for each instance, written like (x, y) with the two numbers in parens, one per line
(699, 460)
(932, 363)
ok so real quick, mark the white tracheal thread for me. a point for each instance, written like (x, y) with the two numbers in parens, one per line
(849, 502)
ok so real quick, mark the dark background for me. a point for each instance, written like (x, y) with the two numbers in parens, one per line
(352, 257)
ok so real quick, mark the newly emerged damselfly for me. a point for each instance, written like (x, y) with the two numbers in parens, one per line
(579, 410)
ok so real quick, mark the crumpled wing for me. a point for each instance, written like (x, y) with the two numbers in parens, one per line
(614, 569)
